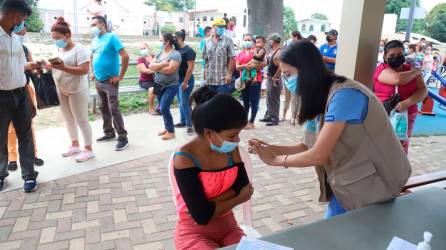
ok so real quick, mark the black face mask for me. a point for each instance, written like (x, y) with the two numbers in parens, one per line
(328, 38)
(396, 61)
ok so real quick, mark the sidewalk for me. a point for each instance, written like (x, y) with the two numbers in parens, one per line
(126, 201)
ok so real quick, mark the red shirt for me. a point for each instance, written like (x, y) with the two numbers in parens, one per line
(243, 58)
(143, 76)
(385, 91)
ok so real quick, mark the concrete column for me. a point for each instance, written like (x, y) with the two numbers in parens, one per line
(359, 36)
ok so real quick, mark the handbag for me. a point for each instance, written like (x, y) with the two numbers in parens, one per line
(158, 89)
(46, 91)
(391, 102)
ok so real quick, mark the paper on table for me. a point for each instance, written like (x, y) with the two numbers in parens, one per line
(400, 244)
(255, 244)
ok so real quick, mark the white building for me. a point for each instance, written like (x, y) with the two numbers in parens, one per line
(128, 17)
(312, 26)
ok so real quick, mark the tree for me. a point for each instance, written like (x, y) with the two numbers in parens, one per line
(436, 22)
(319, 16)
(289, 20)
(182, 4)
(34, 22)
(265, 17)
(160, 5)
(394, 7)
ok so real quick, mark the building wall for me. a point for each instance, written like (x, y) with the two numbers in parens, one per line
(307, 27)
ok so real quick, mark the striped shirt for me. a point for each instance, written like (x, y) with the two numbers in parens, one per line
(216, 56)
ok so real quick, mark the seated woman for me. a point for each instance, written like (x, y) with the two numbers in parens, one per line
(209, 177)
(146, 77)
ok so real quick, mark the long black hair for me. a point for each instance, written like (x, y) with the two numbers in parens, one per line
(315, 80)
(215, 111)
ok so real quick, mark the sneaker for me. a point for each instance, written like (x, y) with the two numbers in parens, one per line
(85, 156)
(38, 162)
(122, 144)
(168, 136)
(106, 138)
(12, 166)
(270, 124)
(190, 131)
(180, 125)
(265, 120)
(30, 185)
(71, 151)
(2, 184)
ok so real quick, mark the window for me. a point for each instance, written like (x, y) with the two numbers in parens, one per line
(205, 18)
(55, 18)
(244, 21)
(181, 19)
(323, 28)
(304, 27)
(212, 18)
(145, 22)
(311, 28)
(122, 20)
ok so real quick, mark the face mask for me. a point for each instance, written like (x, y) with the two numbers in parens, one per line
(328, 38)
(397, 61)
(61, 44)
(162, 46)
(95, 31)
(19, 28)
(220, 31)
(381, 49)
(406, 51)
(226, 146)
(291, 83)
(247, 44)
(144, 52)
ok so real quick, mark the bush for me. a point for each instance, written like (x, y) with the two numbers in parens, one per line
(168, 28)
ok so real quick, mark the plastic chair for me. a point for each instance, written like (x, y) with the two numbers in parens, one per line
(246, 207)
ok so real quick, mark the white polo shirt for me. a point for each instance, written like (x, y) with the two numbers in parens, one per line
(12, 62)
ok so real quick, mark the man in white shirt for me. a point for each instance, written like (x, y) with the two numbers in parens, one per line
(15, 104)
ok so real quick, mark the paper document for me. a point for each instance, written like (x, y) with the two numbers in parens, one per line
(400, 244)
(255, 244)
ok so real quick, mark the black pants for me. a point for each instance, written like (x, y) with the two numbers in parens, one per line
(15, 106)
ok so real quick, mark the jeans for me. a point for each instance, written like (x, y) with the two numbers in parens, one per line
(109, 95)
(251, 99)
(183, 101)
(165, 101)
(15, 106)
(224, 88)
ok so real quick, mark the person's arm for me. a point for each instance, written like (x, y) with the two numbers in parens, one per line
(190, 70)
(391, 77)
(73, 70)
(276, 61)
(200, 208)
(171, 68)
(281, 149)
(141, 67)
(91, 68)
(416, 97)
(329, 59)
(124, 62)
(318, 155)
(156, 67)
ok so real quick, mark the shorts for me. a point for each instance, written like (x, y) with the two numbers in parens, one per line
(264, 84)
(146, 84)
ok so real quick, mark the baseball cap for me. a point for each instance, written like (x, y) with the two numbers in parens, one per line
(219, 22)
(275, 37)
(332, 32)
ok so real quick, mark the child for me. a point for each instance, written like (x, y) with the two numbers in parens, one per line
(259, 55)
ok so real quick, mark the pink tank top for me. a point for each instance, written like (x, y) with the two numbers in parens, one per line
(385, 91)
(214, 183)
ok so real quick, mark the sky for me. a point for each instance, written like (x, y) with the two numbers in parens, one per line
(304, 8)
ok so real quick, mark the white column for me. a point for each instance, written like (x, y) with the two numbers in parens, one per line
(359, 37)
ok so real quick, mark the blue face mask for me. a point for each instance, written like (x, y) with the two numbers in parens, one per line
(291, 83)
(226, 146)
(220, 31)
(95, 31)
(61, 44)
(19, 28)
(247, 44)
(162, 46)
